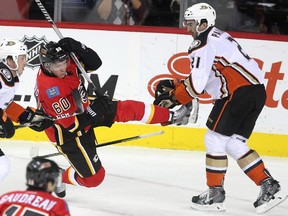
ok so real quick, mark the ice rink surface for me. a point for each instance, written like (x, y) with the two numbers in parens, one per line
(149, 182)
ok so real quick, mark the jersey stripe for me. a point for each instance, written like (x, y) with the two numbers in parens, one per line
(85, 155)
(233, 76)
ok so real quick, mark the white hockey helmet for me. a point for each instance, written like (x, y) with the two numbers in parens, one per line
(13, 48)
(201, 11)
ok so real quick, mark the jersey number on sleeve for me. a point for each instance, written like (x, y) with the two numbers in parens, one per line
(239, 48)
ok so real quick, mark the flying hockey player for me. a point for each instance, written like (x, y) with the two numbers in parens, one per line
(60, 92)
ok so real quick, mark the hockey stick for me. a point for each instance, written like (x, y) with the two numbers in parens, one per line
(59, 34)
(34, 150)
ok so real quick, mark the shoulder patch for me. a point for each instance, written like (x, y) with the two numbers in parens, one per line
(6, 74)
(52, 92)
(6, 77)
(195, 44)
(200, 41)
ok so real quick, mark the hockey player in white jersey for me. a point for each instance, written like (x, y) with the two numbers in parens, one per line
(13, 58)
(220, 67)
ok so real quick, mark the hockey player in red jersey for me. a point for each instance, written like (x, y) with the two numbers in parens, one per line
(220, 67)
(41, 178)
(13, 55)
(61, 93)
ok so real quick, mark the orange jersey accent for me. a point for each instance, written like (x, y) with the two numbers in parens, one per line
(219, 66)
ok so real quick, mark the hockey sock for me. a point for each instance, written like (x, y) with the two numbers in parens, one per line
(216, 167)
(253, 166)
(130, 110)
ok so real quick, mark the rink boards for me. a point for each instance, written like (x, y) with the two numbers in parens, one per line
(136, 58)
(182, 138)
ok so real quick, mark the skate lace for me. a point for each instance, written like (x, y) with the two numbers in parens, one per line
(268, 189)
(205, 196)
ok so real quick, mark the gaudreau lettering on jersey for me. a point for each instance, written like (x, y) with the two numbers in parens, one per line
(30, 199)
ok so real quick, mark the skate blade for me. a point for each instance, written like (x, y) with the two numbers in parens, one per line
(279, 198)
(216, 207)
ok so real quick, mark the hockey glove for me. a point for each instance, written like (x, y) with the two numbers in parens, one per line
(164, 94)
(70, 45)
(42, 125)
(35, 119)
(164, 86)
(97, 109)
(26, 117)
(167, 100)
(7, 129)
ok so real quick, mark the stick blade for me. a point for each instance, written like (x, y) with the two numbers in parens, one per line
(151, 134)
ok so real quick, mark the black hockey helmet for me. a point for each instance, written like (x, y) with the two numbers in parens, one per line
(52, 52)
(40, 171)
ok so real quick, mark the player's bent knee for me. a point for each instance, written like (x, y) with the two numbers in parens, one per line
(94, 180)
(215, 143)
(72, 177)
(237, 146)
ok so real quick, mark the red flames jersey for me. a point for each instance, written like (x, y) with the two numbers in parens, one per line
(23, 203)
(54, 95)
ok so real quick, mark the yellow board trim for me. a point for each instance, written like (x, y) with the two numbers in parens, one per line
(182, 138)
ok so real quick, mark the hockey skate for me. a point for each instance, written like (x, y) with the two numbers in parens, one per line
(210, 200)
(60, 189)
(270, 196)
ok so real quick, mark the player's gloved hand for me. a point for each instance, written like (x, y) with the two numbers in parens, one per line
(98, 108)
(166, 99)
(41, 122)
(36, 119)
(26, 117)
(164, 94)
(164, 86)
(70, 45)
(7, 129)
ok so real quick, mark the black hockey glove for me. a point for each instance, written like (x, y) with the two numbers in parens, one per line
(42, 125)
(97, 109)
(167, 100)
(70, 45)
(7, 129)
(164, 94)
(26, 117)
(164, 86)
(37, 120)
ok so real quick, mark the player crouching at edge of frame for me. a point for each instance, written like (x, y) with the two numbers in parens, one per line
(13, 58)
(60, 91)
(220, 67)
(42, 176)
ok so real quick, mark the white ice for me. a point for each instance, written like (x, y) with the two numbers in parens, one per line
(148, 182)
